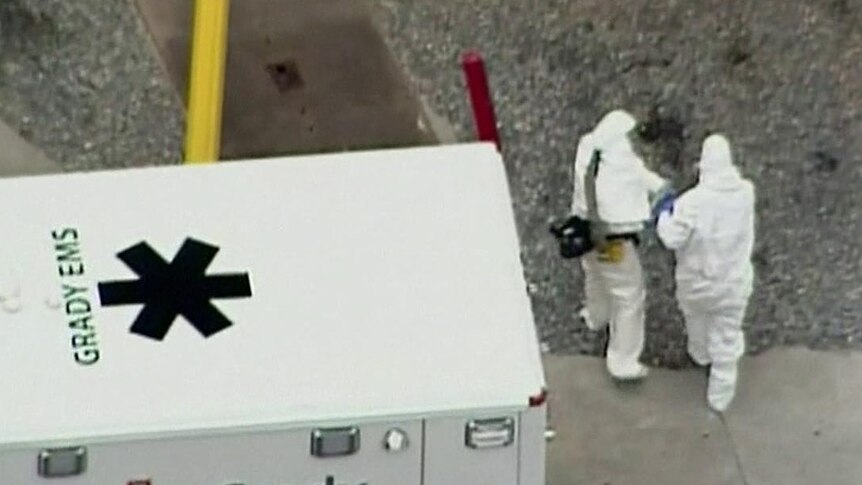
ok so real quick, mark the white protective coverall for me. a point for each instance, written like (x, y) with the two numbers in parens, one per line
(711, 230)
(615, 292)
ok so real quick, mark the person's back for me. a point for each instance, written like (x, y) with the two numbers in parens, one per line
(623, 182)
(722, 241)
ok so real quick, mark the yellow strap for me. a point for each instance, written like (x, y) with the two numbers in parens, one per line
(613, 252)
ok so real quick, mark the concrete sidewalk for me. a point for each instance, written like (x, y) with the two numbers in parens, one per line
(797, 419)
(300, 77)
(18, 157)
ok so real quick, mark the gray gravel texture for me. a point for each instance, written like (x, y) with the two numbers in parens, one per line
(780, 78)
(79, 80)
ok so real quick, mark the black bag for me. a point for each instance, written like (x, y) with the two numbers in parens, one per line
(573, 236)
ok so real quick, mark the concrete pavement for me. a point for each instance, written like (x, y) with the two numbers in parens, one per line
(18, 157)
(300, 77)
(797, 419)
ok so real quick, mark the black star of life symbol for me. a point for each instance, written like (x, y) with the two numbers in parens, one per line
(168, 290)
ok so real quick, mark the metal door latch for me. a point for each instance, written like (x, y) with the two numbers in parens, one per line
(334, 441)
(62, 462)
(490, 433)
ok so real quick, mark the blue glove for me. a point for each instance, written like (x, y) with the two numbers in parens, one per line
(664, 204)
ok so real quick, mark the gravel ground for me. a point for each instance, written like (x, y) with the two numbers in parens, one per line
(779, 78)
(78, 79)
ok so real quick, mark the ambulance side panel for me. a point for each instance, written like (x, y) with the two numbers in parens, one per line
(449, 461)
(259, 458)
(533, 423)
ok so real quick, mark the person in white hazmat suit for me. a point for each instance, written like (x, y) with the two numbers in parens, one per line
(711, 230)
(614, 286)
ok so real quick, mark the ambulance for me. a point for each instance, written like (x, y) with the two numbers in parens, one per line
(358, 318)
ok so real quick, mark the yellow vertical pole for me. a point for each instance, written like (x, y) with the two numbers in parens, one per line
(206, 81)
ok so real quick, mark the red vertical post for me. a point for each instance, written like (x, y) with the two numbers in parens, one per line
(480, 98)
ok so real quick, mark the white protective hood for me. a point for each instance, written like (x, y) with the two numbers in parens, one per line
(621, 187)
(717, 171)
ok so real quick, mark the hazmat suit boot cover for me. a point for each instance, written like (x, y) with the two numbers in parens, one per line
(721, 388)
(587, 317)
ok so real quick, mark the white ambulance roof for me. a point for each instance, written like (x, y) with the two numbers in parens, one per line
(383, 283)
